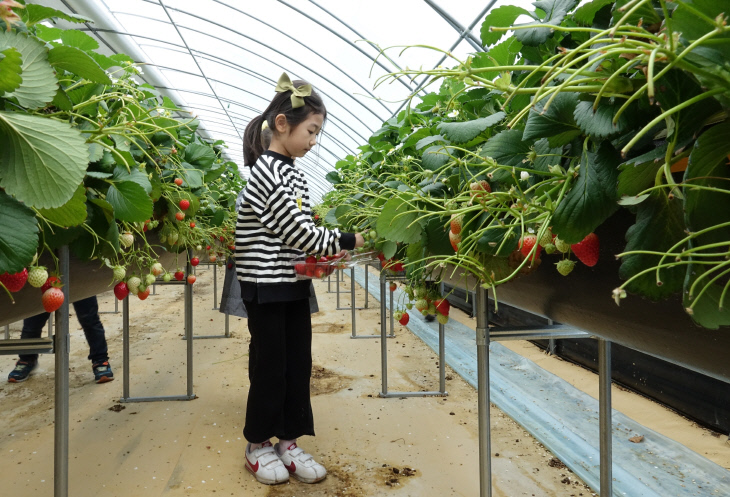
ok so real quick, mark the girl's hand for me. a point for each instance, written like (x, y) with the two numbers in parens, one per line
(345, 255)
(359, 240)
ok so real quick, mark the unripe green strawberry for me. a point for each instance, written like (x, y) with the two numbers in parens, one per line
(126, 239)
(546, 239)
(167, 277)
(424, 312)
(565, 266)
(409, 306)
(119, 273)
(432, 308)
(156, 269)
(421, 304)
(561, 245)
(37, 276)
(550, 248)
(420, 292)
(173, 237)
(397, 315)
(149, 279)
(442, 319)
(133, 284)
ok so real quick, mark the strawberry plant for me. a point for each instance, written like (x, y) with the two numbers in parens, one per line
(539, 140)
(92, 159)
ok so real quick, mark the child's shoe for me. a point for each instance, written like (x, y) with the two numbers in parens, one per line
(22, 371)
(102, 372)
(301, 465)
(264, 464)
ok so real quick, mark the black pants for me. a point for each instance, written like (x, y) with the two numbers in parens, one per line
(280, 368)
(87, 312)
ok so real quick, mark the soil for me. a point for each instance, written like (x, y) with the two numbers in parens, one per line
(371, 446)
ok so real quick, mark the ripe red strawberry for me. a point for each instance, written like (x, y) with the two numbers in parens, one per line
(456, 221)
(192, 225)
(300, 268)
(443, 306)
(404, 319)
(121, 290)
(49, 283)
(178, 181)
(194, 261)
(587, 250)
(393, 286)
(398, 267)
(316, 217)
(52, 299)
(320, 272)
(212, 258)
(311, 260)
(381, 256)
(14, 282)
(222, 238)
(191, 279)
(184, 204)
(527, 242)
(143, 294)
(207, 247)
(179, 275)
(180, 216)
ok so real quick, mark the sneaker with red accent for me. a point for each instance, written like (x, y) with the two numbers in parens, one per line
(301, 465)
(265, 465)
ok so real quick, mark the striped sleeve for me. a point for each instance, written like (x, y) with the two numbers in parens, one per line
(277, 209)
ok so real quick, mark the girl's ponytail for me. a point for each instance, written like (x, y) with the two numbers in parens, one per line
(252, 144)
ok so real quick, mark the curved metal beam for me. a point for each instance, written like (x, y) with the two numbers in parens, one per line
(470, 38)
(226, 41)
(182, 38)
(307, 48)
(222, 26)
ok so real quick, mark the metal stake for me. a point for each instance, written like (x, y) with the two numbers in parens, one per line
(62, 344)
(604, 417)
(352, 299)
(485, 461)
(189, 326)
(215, 287)
(7, 332)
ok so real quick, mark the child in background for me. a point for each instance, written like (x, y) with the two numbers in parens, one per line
(274, 226)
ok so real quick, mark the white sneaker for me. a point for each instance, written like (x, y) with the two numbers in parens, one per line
(301, 465)
(265, 465)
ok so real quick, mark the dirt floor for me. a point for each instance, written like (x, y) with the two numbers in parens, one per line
(371, 446)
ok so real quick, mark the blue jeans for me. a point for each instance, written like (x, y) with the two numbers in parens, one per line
(87, 312)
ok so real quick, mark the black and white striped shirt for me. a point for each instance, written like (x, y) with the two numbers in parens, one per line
(274, 226)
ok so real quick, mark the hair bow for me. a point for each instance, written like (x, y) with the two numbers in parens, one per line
(297, 94)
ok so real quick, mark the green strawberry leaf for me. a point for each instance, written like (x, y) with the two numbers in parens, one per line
(398, 222)
(33, 14)
(555, 11)
(389, 249)
(710, 310)
(498, 240)
(437, 238)
(598, 124)
(659, 225)
(192, 176)
(507, 148)
(77, 62)
(131, 203)
(708, 167)
(462, 132)
(42, 161)
(501, 17)
(428, 140)
(503, 54)
(557, 123)
(333, 177)
(585, 13)
(434, 157)
(199, 155)
(39, 84)
(638, 174)
(136, 176)
(18, 234)
(10, 68)
(72, 213)
(78, 39)
(592, 199)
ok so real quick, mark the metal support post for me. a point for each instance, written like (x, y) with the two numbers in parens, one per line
(383, 311)
(215, 287)
(367, 292)
(7, 332)
(604, 415)
(485, 461)
(188, 335)
(116, 306)
(384, 348)
(61, 347)
(352, 299)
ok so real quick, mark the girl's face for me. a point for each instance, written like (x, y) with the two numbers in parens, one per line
(297, 141)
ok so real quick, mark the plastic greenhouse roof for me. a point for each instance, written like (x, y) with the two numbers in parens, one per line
(220, 59)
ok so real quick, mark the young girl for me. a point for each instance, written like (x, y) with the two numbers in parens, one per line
(274, 226)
